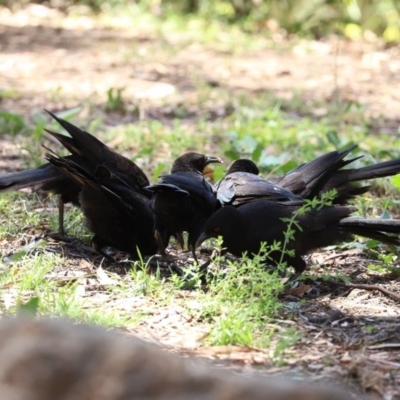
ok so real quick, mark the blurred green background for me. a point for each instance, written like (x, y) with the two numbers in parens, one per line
(310, 18)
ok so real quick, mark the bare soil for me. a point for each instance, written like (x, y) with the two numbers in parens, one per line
(350, 336)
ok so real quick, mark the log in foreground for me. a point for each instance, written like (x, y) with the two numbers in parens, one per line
(54, 359)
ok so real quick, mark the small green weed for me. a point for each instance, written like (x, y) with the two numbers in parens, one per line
(12, 124)
(244, 297)
(115, 101)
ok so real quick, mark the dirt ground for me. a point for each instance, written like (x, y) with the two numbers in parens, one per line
(350, 336)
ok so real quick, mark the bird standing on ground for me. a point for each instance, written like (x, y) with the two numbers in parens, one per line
(118, 216)
(183, 200)
(88, 152)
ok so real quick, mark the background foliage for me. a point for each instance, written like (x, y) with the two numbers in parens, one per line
(314, 18)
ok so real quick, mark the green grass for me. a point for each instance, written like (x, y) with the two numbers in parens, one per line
(242, 298)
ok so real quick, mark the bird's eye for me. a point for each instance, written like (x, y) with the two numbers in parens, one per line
(217, 229)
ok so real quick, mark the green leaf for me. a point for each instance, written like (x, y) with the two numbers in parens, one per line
(31, 307)
(396, 181)
(69, 113)
(257, 152)
(12, 124)
(232, 154)
(157, 171)
(219, 173)
(371, 244)
(333, 138)
(143, 152)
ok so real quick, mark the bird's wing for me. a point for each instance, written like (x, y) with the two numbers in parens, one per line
(241, 187)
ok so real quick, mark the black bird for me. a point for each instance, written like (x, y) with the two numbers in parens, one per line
(244, 228)
(183, 200)
(118, 215)
(261, 219)
(308, 180)
(86, 151)
(242, 184)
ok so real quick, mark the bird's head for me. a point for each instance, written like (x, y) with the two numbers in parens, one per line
(243, 165)
(193, 162)
(227, 222)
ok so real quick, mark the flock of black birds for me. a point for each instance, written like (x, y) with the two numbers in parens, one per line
(125, 212)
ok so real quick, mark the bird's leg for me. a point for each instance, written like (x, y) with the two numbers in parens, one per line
(60, 234)
(162, 239)
(179, 239)
(193, 250)
(60, 204)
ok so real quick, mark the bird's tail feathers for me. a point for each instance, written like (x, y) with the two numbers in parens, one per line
(67, 142)
(81, 139)
(378, 229)
(380, 170)
(70, 168)
(29, 178)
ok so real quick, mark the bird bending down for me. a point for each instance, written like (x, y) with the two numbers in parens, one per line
(86, 151)
(117, 215)
(309, 180)
(244, 228)
(183, 200)
(260, 207)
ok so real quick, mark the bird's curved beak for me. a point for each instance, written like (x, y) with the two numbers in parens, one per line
(203, 236)
(213, 159)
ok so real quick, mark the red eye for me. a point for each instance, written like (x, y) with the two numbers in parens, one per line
(217, 229)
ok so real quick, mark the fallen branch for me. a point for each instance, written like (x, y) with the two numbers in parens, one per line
(387, 292)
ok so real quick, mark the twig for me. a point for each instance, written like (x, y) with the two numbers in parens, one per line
(388, 293)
